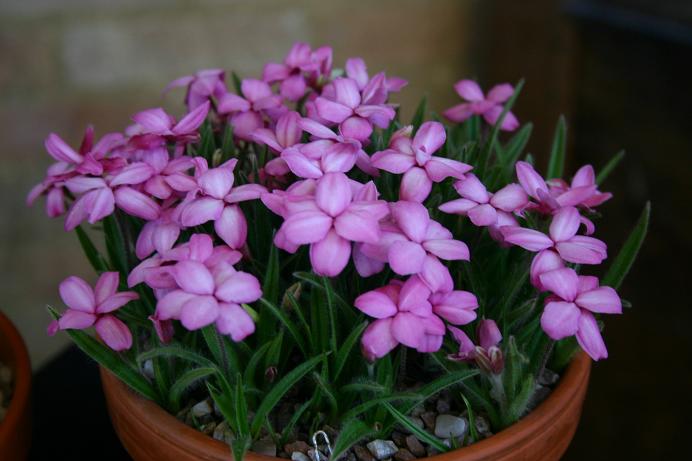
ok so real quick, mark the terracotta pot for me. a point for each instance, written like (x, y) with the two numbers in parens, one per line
(15, 429)
(150, 434)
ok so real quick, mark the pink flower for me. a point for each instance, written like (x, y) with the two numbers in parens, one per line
(343, 104)
(414, 245)
(158, 235)
(487, 355)
(404, 316)
(209, 290)
(570, 311)
(481, 207)
(157, 122)
(286, 134)
(201, 86)
(377, 89)
(562, 237)
(490, 106)
(215, 199)
(87, 307)
(583, 180)
(551, 199)
(330, 220)
(414, 158)
(246, 111)
(301, 67)
(158, 175)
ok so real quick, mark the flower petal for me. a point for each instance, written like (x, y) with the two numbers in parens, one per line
(239, 288)
(529, 179)
(376, 304)
(116, 301)
(332, 111)
(430, 137)
(407, 330)
(560, 319)
(483, 215)
(510, 198)
(377, 340)
(193, 277)
(544, 261)
(333, 193)
(415, 185)
(234, 321)
(106, 286)
(406, 257)
(565, 224)
(436, 275)
(216, 182)
(201, 210)
(440, 168)
(330, 255)
(76, 320)
(602, 300)
(528, 239)
(306, 227)
(412, 218)
(136, 203)
(199, 312)
(171, 304)
(448, 249)
(563, 282)
(472, 188)
(589, 337)
(469, 90)
(77, 294)
(582, 250)
(114, 333)
(231, 226)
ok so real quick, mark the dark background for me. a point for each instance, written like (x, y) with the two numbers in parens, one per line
(619, 71)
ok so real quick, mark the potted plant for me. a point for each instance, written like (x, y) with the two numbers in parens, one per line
(294, 271)
(15, 391)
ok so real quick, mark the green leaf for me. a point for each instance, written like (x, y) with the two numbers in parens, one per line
(288, 323)
(365, 406)
(472, 418)
(286, 433)
(240, 406)
(177, 352)
(556, 164)
(628, 253)
(419, 116)
(415, 430)
(185, 381)
(609, 167)
(327, 390)
(346, 348)
(329, 293)
(115, 244)
(95, 259)
(237, 83)
(517, 406)
(513, 149)
(240, 445)
(441, 383)
(111, 360)
(251, 368)
(280, 389)
(352, 432)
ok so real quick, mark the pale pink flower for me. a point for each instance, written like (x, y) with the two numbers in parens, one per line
(301, 68)
(342, 103)
(413, 243)
(215, 199)
(246, 112)
(562, 237)
(95, 307)
(415, 160)
(482, 207)
(201, 86)
(330, 220)
(404, 316)
(490, 106)
(375, 90)
(157, 122)
(570, 311)
(584, 179)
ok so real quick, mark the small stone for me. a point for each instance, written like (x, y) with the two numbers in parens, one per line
(297, 446)
(208, 429)
(442, 406)
(429, 419)
(223, 432)
(264, 446)
(418, 410)
(201, 410)
(148, 369)
(414, 446)
(363, 454)
(447, 426)
(539, 395)
(350, 456)
(416, 421)
(399, 439)
(382, 449)
(482, 425)
(548, 377)
(299, 456)
(403, 455)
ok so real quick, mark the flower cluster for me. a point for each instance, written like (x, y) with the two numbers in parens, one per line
(324, 151)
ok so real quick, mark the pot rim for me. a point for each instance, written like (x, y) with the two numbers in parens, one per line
(19, 361)
(167, 426)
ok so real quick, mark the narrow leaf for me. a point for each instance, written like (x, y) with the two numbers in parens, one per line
(624, 260)
(415, 430)
(419, 115)
(352, 432)
(185, 381)
(609, 167)
(288, 323)
(92, 254)
(556, 164)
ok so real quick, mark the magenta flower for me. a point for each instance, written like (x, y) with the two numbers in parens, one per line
(331, 220)
(159, 235)
(544, 261)
(570, 311)
(583, 180)
(246, 111)
(286, 134)
(458, 307)
(490, 106)
(415, 159)
(201, 86)
(562, 237)
(87, 307)
(209, 294)
(355, 115)
(377, 89)
(215, 199)
(158, 175)
(548, 200)
(158, 123)
(301, 67)
(415, 244)
(487, 355)
(481, 207)
(404, 316)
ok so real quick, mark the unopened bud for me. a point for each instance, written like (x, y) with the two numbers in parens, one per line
(294, 290)
(271, 373)
(497, 360)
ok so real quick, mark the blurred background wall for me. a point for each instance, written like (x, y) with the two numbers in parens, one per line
(616, 68)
